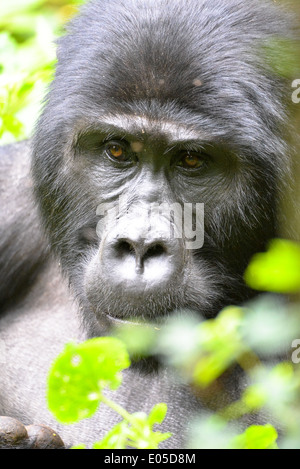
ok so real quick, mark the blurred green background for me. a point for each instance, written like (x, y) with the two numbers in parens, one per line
(28, 29)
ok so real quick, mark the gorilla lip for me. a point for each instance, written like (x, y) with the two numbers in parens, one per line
(124, 321)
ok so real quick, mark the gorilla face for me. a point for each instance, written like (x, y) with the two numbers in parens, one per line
(170, 105)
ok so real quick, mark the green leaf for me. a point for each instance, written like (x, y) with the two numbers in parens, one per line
(277, 270)
(81, 373)
(256, 437)
(137, 433)
(141, 435)
(157, 414)
(116, 438)
(220, 344)
(255, 397)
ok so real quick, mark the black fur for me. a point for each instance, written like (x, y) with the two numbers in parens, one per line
(22, 248)
(162, 68)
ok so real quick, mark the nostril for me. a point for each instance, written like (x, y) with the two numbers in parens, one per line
(124, 248)
(140, 251)
(156, 250)
(146, 261)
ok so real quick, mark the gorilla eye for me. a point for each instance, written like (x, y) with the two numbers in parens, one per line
(191, 160)
(117, 152)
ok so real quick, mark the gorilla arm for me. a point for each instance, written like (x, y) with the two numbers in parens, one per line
(22, 248)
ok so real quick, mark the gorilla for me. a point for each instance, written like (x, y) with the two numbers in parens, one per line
(164, 103)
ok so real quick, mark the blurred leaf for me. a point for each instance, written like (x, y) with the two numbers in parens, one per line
(277, 270)
(27, 56)
(256, 437)
(139, 338)
(210, 432)
(270, 325)
(220, 345)
(283, 56)
(254, 397)
(275, 388)
(291, 441)
(13, 7)
(177, 341)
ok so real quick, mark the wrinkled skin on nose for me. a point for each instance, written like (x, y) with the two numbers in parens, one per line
(141, 252)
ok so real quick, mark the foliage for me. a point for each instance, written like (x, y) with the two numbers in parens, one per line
(257, 437)
(283, 56)
(27, 57)
(76, 385)
(277, 270)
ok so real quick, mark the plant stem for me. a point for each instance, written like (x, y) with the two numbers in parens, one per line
(117, 408)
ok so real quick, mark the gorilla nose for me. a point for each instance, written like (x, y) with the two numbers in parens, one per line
(141, 264)
(141, 252)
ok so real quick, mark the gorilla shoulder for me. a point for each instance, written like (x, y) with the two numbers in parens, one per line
(23, 250)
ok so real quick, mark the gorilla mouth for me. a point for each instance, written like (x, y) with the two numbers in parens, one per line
(118, 321)
(113, 306)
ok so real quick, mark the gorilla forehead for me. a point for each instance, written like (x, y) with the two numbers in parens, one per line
(147, 50)
(120, 54)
